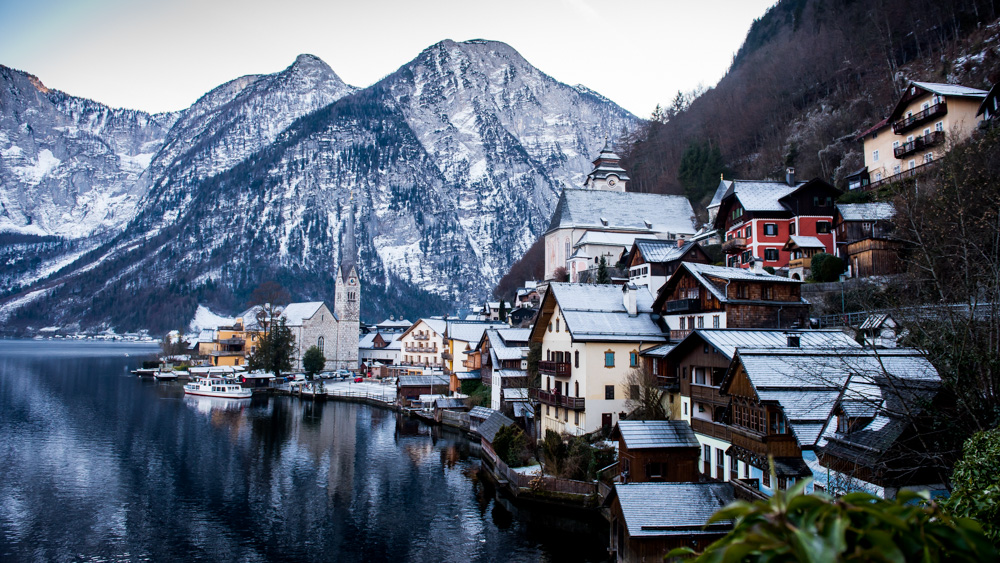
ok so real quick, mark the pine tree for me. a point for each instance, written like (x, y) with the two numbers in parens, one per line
(603, 278)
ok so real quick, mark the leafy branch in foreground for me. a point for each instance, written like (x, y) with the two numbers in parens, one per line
(791, 526)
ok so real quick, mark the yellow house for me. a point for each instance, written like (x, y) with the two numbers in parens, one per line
(926, 122)
(591, 337)
(231, 345)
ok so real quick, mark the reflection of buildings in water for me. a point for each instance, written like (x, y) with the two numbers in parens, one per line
(418, 450)
(406, 426)
(450, 455)
(222, 413)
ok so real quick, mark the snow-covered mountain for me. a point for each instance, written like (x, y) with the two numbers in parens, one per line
(452, 165)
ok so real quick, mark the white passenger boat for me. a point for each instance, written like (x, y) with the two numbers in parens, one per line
(215, 387)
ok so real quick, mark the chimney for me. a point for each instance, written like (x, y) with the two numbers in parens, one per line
(680, 242)
(790, 176)
(757, 265)
(629, 298)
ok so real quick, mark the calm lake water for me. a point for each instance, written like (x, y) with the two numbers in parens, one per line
(98, 465)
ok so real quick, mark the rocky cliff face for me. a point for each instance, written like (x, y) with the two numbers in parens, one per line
(454, 163)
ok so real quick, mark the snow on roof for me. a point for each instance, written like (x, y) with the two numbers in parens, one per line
(651, 509)
(296, 313)
(951, 89)
(597, 312)
(646, 434)
(661, 250)
(702, 273)
(606, 239)
(720, 192)
(762, 195)
(804, 242)
(727, 340)
(368, 340)
(876, 211)
(623, 211)
(470, 331)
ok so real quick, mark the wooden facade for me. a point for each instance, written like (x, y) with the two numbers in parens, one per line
(875, 257)
(653, 549)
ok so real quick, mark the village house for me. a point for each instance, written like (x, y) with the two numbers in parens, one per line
(228, 345)
(521, 317)
(782, 401)
(410, 388)
(706, 296)
(990, 108)
(591, 337)
(459, 339)
(925, 123)
(758, 217)
(423, 343)
(650, 519)
(651, 261)
(380, 348)
(611, 217)
(699, 363)
(865, 239)
(656, 451)
(503, 355)
(392, 325)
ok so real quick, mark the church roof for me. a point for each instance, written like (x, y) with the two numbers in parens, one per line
(622, 211)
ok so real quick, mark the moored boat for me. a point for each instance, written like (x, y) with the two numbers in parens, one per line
(217, 387)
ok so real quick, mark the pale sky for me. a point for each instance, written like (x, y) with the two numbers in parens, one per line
(163, 55)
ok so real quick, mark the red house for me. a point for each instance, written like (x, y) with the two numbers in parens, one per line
(758, 217)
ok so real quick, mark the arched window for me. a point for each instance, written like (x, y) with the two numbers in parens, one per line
(319, 343)
(576, 357)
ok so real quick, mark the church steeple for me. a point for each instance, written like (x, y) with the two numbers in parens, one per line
(608, 173)
(348, 244)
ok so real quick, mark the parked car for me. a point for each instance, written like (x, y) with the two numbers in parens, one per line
(343, 373)
(324, 375)
(358, 379)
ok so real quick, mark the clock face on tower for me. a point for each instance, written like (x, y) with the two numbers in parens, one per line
(352, 281)
(612, 181)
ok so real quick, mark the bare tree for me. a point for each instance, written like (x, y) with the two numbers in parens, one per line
(643, 395)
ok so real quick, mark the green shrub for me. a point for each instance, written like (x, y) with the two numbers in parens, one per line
(510, 445)
(826, 267)
(976, 492)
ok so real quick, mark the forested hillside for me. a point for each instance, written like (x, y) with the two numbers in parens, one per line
(810, 75)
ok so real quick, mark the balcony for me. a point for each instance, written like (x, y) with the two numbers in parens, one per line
(422, 349)
(747, 489)
(683, 306)
(920, 143)
(446, 355)
(897, 177)
(226, 353)
(708, 394)
(678, 335)
(557, 400)
(734, 245)
(919, 118)
(232, 342)
(421, 337)
(709, 428)
(805, 263)
(668, 382)
(556, 369)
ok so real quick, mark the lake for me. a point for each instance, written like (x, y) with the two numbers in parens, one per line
(99, 465)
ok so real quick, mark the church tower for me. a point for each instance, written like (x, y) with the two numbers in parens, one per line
(347, 307)
(608, 174)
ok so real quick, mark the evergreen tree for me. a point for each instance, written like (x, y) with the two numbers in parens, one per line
(313, 361)
(603, 278)
(503, 310)
(700, 169)
(274, 349)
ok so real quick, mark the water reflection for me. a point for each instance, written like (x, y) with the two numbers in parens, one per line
(101, 465)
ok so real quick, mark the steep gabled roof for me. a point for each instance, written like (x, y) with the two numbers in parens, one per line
(488, 428)
(875, 211)
(728, 340)
(437, 325)
(720, 192)
(660, 251)
(667, 509)
(597, 313)
(649, 434)
(707, 274)
(623, 211)
(765, 196)
(800, 241)
(470, 331)
(946, 90)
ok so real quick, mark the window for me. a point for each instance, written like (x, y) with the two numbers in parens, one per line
(656, 366)
(566, 415)
(699, 376)
(747, 232)
(770, 229)
(878, 176)
(701, 322)
(633, 359)
(701, 407)
(911, 164)
(682, 323)
(715, 321)
(939, 126)
(547, 413)
(742, 291)
(550, 327)
(875, 156)
(766, 480)
(557, 325)
(609, 392)
(720, 465)
(733, 468)
(897, 169)
(822, 227)
(576, 359)
(609, 359)
(767, 292)
(576, 418)
(928, 157)
(746, 470)
(746, 257)
(576, 388)
(895, 145)
(777, 423)
(654, 471)
(927, 132)
(319, 343)
(706, 458)
(685, 409)
(771, 254)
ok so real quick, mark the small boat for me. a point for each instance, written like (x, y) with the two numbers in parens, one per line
(168, 375)
(215, 387)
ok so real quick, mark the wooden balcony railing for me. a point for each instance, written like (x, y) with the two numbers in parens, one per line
(747, 489)
(918, 144)
(919, 118)
(709, 428)
(556, 369)
(232, 342)
(734, 245)
(421, 337)
(677, 335)
(667, 381)
(557, 400)
(683, 306)
(446, 355)
(800, 263)
(708, 394)
(897, 177)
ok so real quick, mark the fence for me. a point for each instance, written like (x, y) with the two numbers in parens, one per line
(543, 482)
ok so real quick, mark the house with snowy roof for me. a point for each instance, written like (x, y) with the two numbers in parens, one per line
(423, 343)
(651, 261)
(610, 217)
(707, 296)
(927, 120)
(759, 216)
(865, 239)
(591, 338)
(311, 324)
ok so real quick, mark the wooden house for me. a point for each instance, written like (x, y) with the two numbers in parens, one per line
(758, 217)
(650, 519)
(652, 451)
(651, 261)
(409, 388)
(704, 296)
(865, 239)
